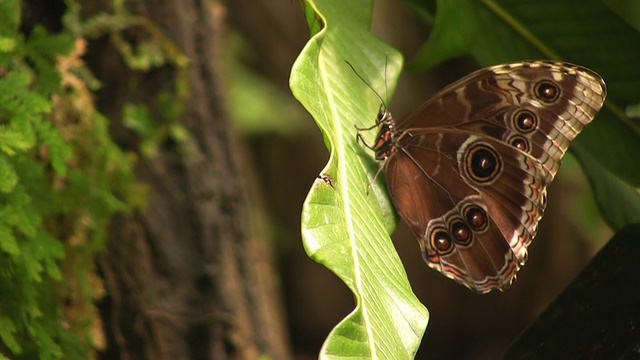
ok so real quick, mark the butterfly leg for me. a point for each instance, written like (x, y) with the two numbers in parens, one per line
(359, 137)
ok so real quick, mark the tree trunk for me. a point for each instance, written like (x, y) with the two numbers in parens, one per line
(190, 276)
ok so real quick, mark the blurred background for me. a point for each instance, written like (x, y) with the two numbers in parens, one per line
(288, 153)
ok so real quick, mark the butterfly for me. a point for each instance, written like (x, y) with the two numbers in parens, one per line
(469, 168)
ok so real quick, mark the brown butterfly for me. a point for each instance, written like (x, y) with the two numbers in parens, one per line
(469, 168)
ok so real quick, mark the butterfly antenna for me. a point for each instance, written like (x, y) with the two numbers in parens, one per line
(386, 90)
(368, 85)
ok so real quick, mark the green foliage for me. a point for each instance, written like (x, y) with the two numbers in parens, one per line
(347, 231)
(139, 119)
(151, 51)
(61, 180)
(256, 106)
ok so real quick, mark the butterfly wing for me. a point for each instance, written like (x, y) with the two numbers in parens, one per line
(470, 166)
(538, 106)
(473, 222)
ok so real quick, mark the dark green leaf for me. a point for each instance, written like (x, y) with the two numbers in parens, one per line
(619, 203)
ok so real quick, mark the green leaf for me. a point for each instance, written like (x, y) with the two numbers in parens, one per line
(627, 10)
(448, 41)
(59, 151)
(9, 16)
(137, 118)
(633, 111)
(619, 203)
(7, 329)
(7, 44)
(343, 228)
(254, 103)
(8, 176)
(13, 141)
(42, 49)
(8, 242)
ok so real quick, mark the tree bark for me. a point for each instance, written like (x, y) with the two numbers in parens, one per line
(190, 276)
